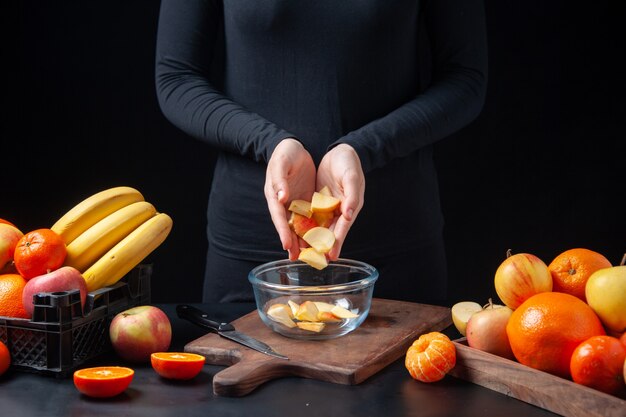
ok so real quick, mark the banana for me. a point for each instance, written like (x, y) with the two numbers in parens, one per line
(128, 252)
(94, 242)
(93, 209)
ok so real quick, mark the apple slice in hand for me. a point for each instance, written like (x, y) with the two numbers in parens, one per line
(301, 207)
(324, 203)
(301, 224)
(461, 313)
(314, 258)
(325, 190)
(320, 238)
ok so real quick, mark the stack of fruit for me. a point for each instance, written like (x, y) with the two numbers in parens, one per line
(92, 246)
(567, 318)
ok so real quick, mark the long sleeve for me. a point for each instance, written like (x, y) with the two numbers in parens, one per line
(187, 45)
(457, 35)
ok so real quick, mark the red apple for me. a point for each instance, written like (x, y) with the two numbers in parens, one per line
(9, 236)
(521, 276)
(301, 224)
(65, 278)
(486, 330)
(139, 332)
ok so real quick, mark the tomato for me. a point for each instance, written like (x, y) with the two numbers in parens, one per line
(177, 365)
(598, 363)
(430, 357)
(39, 252)
(103, 381)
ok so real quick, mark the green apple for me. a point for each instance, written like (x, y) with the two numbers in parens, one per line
(606, 295)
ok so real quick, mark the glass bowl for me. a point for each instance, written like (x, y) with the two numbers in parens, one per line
(301, 302)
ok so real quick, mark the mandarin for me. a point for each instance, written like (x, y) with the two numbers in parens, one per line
(11, 288)
(571, 270)
(5, 358)
(598, 363)
(39, 252)
(430, 357)
(546, 328)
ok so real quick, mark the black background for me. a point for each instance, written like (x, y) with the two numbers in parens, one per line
(541, 170)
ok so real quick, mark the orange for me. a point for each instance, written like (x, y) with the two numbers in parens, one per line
(11, 288)
(598, 363)
(546, 328)
(430, 357)
(5, 358)
(571, 269)
(103, 381)
(177, 365)
(39, 252)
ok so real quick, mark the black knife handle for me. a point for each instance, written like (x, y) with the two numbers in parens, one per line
(200, 318)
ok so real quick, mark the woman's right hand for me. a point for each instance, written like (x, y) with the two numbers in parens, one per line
(290, 175)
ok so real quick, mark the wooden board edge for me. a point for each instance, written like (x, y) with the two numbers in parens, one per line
(532, 386)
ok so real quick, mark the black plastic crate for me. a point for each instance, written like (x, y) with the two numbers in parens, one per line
(60, 338)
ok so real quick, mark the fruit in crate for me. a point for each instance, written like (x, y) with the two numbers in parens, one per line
(461, 313)
(65, 278)
(39, 252)
(598, 362)
(11, 289)
(5, 358)
(521, 276)
(606, 294)
(9, 236)
(571, 269)
(547, 327)
(139, 332)
(486, 330)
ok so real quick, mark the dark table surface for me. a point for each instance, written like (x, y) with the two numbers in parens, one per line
(391, 392)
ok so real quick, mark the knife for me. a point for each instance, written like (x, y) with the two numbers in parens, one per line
(226, 330)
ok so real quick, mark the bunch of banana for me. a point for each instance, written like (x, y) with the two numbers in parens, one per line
(110, 233)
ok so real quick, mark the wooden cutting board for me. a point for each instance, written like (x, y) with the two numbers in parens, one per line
(386, 334)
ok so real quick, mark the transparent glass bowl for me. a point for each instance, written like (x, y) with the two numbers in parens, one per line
(345, 283)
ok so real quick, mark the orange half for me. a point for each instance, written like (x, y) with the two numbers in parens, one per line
(177, 365)
(103, 381)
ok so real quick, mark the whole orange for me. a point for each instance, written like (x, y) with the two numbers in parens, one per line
(598, 362)
(11, 288)
(571, 269)
(430, 357)
(39, 252)
(5, 358)
(546, 328)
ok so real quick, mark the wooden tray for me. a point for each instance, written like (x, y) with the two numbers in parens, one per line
(539, 388)
(389, 330)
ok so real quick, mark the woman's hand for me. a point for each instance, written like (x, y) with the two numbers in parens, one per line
(290, 175)
(341, 171)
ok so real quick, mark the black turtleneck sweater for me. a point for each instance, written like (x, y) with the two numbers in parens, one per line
(389, 77)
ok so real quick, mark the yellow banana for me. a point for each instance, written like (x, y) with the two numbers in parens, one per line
(128, 252)
(93, 209)
(94, 242)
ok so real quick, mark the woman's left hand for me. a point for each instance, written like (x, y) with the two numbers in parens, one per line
(341, 171)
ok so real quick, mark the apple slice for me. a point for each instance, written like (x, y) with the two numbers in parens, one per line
(322, 306)
(311, 326)
(461, 313)
(323, 218)
(301, 224)
(301, 207)
(324, 203)
(343, 313)
(314, 258)
(307, 311)
(327, 317)
(325, 190)
(320, 238)
(294, 307)
(281, 313)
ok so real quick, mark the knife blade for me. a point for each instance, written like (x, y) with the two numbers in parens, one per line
(226, 330)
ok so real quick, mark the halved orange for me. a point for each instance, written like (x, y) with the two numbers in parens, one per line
(103, 381)
(177, 365)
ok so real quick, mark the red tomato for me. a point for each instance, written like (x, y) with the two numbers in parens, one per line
(103, 381)
(598, 363)
(177, 365)
(39, 252)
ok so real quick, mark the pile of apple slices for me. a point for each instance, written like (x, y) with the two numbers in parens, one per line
(310, 221)
(310, 315)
